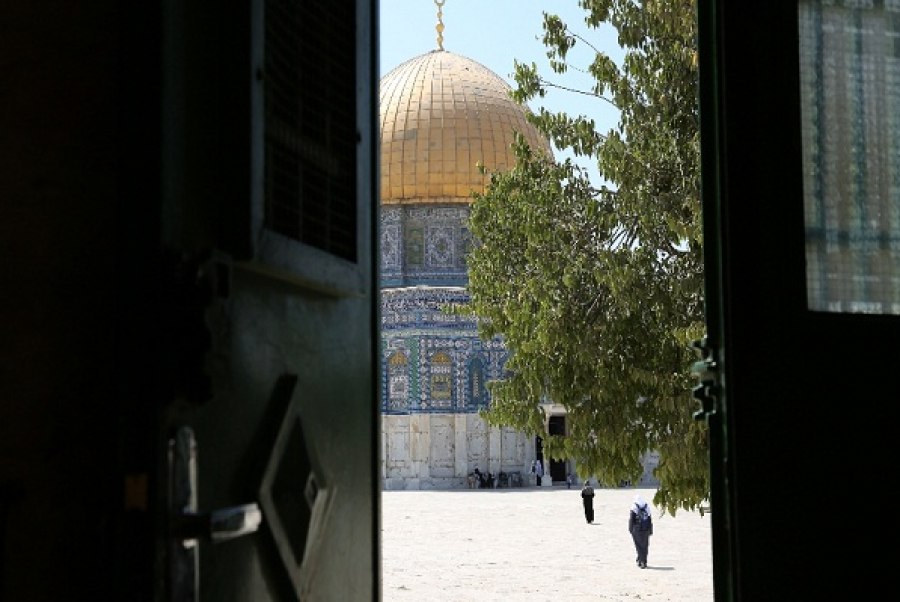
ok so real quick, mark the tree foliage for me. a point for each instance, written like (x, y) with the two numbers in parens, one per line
(597, 288)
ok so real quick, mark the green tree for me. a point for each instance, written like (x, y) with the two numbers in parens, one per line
(598, 288)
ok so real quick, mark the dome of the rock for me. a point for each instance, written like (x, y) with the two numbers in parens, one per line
(442, 116)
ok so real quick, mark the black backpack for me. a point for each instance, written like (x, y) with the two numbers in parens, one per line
(643, 518)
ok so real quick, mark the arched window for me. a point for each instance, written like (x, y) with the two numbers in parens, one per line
(441, 381)
(477, 397)
(398, 382)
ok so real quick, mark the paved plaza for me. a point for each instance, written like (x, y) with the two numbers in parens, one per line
(533, 544)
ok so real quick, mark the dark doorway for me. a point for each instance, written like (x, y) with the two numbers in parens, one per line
(557, 426)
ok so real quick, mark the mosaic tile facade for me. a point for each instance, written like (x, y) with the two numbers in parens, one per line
(434, 362)
(424, 245)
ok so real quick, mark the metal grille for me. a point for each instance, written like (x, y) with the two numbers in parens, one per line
(850, 103)
(310, 126)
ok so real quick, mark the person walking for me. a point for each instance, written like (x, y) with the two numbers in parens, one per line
(587, 500)
(640, 525)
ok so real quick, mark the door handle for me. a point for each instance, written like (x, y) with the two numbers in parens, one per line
(218, 526)
(187, 525)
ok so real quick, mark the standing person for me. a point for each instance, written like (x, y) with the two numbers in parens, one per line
(587, 500)
(640, 525)
(568, 480)
(539, 470)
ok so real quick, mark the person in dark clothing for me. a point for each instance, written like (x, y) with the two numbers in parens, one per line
(640, 530)
(587, 500)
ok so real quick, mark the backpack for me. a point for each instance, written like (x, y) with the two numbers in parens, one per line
(643, 519)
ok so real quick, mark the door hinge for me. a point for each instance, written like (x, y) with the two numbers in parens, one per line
(706, 371)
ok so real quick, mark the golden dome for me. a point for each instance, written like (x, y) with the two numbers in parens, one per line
(441, 115)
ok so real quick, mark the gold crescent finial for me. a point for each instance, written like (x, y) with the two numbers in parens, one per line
(440, 24)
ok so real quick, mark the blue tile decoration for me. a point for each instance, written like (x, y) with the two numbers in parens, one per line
(434, 362)
(424, 245)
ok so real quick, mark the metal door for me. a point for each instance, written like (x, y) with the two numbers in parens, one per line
(272, 170)
(800, 147)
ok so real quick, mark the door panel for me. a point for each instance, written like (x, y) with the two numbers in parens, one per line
(797, 443)
(293, 433)
(271, 197)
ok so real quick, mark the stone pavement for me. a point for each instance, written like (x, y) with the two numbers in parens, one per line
(533, 544)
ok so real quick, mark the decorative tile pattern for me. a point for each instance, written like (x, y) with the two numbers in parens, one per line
(390, 246)
(435, 242)
(440, 247)
(414, 246)
(438, 361)
(477, 396)
(398, 382)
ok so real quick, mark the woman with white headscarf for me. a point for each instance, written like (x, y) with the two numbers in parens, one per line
(640, 525)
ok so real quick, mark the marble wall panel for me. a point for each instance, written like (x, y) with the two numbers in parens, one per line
(443, 446)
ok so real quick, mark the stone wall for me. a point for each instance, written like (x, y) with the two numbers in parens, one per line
(439, 451)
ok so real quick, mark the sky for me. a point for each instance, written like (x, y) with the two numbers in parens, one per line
(496, 33)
